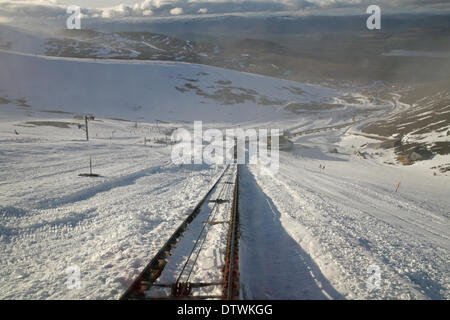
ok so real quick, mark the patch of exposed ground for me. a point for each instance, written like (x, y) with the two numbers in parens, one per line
(22, 103)
(56, 111)
(56, 124)
(425, 123)
(4, 101)
(312, 107)
(226, 94)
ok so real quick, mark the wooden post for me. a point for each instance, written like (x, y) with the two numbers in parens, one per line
(87, 130)
(90, 165)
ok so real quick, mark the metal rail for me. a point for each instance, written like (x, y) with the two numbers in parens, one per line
(231, 270)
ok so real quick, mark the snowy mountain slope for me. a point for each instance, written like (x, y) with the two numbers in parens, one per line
(154, 90)
(21, 40)
(51, 218)
(94, 44)
(422, 120)
(125, 45)
(346, 218)
(325, 226)
(110, 226)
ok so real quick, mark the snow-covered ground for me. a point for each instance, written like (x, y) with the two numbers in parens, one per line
(149, 90)
(322, 228)
(337, 222)
(108, 226)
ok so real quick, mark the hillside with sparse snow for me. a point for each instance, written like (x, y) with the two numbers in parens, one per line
(137, 90)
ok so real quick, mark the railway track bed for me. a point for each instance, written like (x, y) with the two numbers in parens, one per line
(200, 260)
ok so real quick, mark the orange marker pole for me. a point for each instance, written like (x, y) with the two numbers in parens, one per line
(398, 186)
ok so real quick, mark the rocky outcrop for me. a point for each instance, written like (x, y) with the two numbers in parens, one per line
(334, 150)
(420, 153)
(389, 144)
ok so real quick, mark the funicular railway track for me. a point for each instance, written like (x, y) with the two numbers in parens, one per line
(173, 273)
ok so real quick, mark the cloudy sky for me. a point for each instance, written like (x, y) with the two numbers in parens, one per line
(107, 9)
